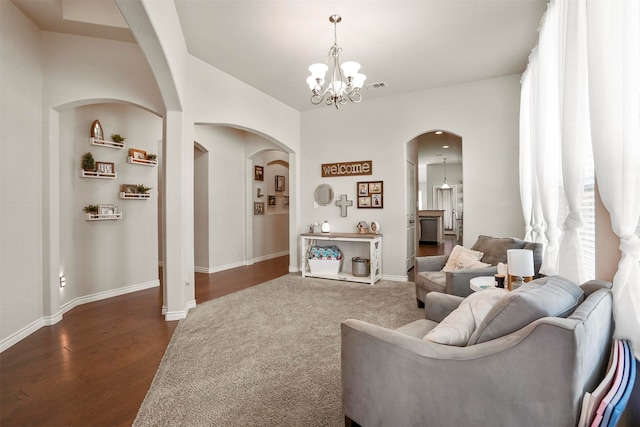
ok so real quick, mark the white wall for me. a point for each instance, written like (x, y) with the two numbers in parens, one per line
(107, 256)
(20, 172)
(225, 201)
(201, 208)
(483, 113)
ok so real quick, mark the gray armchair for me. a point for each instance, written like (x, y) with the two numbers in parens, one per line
(533, 376)
(430, 278)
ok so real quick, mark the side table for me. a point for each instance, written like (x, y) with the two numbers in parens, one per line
(481, 282)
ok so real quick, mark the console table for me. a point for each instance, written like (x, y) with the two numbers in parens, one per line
(307, 240)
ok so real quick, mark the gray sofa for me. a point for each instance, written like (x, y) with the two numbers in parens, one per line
(533, 376)
(430, 278)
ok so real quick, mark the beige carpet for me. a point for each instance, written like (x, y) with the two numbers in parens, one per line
(268, 355)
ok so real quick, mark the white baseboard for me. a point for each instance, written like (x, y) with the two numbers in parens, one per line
(21, 334)
(216, 269)
(270, 256)
(108, 294)
(52, 320)
(209, 270)
(178, 315)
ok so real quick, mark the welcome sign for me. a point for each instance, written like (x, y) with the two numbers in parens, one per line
(364, 167)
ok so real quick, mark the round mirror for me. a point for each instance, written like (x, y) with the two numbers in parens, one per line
(324, 194)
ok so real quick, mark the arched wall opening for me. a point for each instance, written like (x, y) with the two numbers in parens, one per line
(101, 258)
(230, 230)
(437, 188)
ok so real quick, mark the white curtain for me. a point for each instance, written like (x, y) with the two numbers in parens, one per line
(613, 49)
(444, 201)
(546, 143)
(575, 130)
(582, 85)
(529, 192)
(526, 169)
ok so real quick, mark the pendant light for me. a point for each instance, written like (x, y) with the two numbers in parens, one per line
(444, 185)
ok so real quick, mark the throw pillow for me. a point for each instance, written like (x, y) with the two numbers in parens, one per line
(495, 248)
(457, 327)
(455, 254)
(558, 297)
(465, 262)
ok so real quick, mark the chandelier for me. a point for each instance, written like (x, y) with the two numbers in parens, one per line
(345, 81)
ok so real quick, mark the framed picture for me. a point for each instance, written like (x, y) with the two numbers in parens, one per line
(105, 167)
(137, 154)
(107, 209)
(285, 201)
(370, 194)
(258, 208)
(272, 200)
(129, 188)
(258, 173)
(279, 182)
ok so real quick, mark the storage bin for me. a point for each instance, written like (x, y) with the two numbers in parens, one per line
(324, 266)
(325, 260)
(360, 267)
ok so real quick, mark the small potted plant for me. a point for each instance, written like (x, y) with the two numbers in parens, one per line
(116, 137)
(141, 189)
(152, 156)
(91, 210)
(88, 162)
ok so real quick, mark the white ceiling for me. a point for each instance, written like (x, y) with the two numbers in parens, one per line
(408, 44)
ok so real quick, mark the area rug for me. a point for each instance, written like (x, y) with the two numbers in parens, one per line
(268, 355)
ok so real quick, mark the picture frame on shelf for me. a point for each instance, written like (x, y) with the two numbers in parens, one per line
(105, 167)
(280, 180)
(258, 208)
(136, 154)
(129, 188)
(107, 209)
(258, 173)
(272, 200)
(370, 194)
(285, 201)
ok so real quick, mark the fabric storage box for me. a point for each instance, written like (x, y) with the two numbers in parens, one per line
(325, 260)
(325, 266)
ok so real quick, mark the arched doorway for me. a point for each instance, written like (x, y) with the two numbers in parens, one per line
(439, 195)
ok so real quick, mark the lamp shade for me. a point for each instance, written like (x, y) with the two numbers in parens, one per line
(358, 80)
(350, 68)
(318, 70)
(520, 262)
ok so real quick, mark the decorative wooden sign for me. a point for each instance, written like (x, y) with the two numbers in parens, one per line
(364, 167)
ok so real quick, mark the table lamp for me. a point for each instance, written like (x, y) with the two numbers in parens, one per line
(520, 264)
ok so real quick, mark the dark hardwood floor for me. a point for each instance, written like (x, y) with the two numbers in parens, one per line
(95, 366)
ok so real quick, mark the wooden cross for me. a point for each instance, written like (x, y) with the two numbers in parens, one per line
(343, 203)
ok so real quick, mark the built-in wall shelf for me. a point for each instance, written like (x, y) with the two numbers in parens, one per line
(145, 162)
(108, 144)
(135, 196)
(100, 175)
(103, 217)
